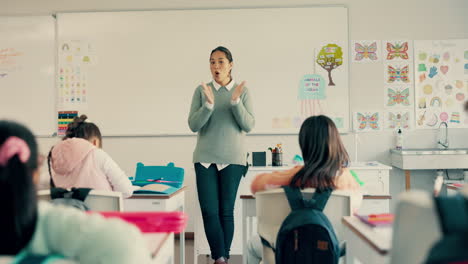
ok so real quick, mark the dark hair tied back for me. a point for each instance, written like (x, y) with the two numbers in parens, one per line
(79, 128)
(224, 50)
(73, 127)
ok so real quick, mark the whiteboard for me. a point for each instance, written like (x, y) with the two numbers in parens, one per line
(27, 70)
(141, 68)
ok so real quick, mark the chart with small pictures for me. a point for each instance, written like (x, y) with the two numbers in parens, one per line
(441, 83)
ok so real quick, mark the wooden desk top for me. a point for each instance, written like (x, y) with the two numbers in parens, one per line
(156, 196)
(379, 238)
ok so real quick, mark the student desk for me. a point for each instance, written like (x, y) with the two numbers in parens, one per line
(366, 244)
(155, 202)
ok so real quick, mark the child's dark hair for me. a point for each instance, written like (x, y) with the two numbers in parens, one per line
(81, 129)
(323, 152)
(18, 202)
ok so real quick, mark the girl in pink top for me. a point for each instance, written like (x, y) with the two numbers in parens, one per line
(78, 161)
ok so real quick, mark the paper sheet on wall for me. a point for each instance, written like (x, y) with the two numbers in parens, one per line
(398, 50)
(398, 119)
(366, 51)
(367, 121)
(75, 57)
(441, 78)
(329, 81)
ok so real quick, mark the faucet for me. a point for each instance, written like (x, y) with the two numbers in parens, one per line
(443, 144)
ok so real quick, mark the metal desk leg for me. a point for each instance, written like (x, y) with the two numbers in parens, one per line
(182, 241)
(244, 231)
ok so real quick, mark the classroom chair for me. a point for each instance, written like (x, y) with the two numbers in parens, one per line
(97, 200)
(273, 207)
(416, 227)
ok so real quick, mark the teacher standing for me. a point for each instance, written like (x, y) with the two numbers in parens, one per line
(221, 113)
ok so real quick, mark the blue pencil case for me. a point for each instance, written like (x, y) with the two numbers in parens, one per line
(167, 175)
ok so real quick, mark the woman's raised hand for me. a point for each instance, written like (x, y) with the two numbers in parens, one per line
(238, 91)
(208, 93)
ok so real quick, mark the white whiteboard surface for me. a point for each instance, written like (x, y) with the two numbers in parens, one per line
(27, 70)
(146, 65)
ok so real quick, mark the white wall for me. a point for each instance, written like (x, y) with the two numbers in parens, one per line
(368, 19)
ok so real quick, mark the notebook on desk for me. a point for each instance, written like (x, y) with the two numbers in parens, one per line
(155, 188)
(377, 220)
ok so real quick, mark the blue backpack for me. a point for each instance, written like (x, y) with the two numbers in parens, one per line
(306, 235)
(453, 217)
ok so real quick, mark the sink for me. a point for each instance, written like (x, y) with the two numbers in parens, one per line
(430, 158)
(430, 151)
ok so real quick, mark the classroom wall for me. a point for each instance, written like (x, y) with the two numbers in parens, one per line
(368, 19)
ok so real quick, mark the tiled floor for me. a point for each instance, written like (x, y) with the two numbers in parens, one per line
(201, 259)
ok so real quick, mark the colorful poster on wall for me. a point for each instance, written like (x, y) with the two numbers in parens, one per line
(367, 121)
(398, 73)
(395, 120)
(329, 58)
(366, 51)
(398, 96)
(311, 93)
(398, 78)
(441, 83)
(398, 50)
(75, 57)
(65, 118)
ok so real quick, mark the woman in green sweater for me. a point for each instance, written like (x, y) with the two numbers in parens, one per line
(221, 113)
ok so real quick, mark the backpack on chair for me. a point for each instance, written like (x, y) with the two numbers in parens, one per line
(453, 218)
(74, 198)
(306, 235)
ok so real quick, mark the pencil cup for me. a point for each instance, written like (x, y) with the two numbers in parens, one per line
(277, 159)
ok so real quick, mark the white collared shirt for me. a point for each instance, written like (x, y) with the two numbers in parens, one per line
(217, 86)
(229, 86)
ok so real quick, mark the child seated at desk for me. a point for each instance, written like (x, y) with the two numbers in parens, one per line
(325, 159)
(78, 161)
(29, 227)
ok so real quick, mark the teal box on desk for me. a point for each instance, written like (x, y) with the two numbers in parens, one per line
(167, 175)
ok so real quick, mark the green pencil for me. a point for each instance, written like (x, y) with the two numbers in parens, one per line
(361, 183)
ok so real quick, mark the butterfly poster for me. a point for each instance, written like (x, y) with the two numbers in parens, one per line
(366, 51)
(398, 50)
(396, 96)
(398, 119)
(398, 73)
(367, 121)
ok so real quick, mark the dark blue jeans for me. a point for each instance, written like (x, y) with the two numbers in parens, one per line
(217, 192)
